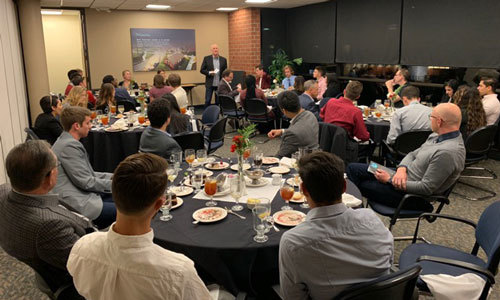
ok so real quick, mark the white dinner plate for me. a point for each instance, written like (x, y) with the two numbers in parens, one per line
(209, 214)
(262, 182)
(294, 200)
(268, 160)
(291, 181)
(279, 170)
(235, 167)
(218, 166)
(289, 217)
(179, 191)
(110, 129)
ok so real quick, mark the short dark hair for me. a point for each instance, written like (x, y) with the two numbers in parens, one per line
(108, 79)
(489, 81)
(138, 182)
(405, 73)
(452, 83)
(174, 80)
(76, 79)
(159, 81)
(289, 101)
(72, 73)
(158, 112)
(159, 71)
(260, 67)
(353, 90)
(47, 102)
(323, 176)
(28, 164)
(410, 92)
(73, 114)
(321, 70)
(226, 73)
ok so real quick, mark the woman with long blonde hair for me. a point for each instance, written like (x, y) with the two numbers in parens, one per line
(77, 97)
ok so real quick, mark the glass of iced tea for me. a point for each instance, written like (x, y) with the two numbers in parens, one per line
(210, 190)
(366, 112)
(141, 119)
(113, 109)
(378, 114)
(183, 110)
(189, 155)
(105, 120)
(286, 192)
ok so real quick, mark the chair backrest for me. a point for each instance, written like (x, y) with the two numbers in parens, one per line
(399, 285)
(227, 104)
(210, 114)
(334, 139)
(127, 105)
(190, 140)
(218, 131)
(30, 134)
(480, 140)
(323, 102)
(255, 108)
(488, 235)
(408, 141)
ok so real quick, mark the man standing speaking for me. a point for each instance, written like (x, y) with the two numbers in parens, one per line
(212, 67)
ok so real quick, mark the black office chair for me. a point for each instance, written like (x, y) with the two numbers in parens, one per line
(190, 140)
(208, 118)
(30, 134)
(229, 109)
(256, 112)
(67, 291)
(477, 147)
(127, 105)
(395, 286)
(215, 138)
(323, 102)
(405, 143)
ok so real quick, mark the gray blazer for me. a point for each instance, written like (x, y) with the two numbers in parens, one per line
(77, 183)
(39, 232)
(158, 142)
(307, 103)
(303, 132)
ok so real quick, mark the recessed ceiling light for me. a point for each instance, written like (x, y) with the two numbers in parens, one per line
(51, 12)
(157, 6)
(259, 1)
(227, 8)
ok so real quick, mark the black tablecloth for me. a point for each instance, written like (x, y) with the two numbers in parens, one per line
(378, 129)
(225, 252)
(107, 149)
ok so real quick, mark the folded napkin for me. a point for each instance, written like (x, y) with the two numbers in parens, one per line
(287, 162)
(120, 124)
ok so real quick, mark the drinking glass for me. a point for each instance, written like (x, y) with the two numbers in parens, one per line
(266, 202)
(286, 192)
(105, 120)
(304, 204)
(257, 161)
(260, 214)
(93, 115)
(295, 163)
(236, 191)
(141, 119)
(113, 109)
(172, 172)
(197, 179)
(165, 208)
(211, 189)
(189, 155)
(121, 108)
(191, 111)
(387, 103)
(176, 159)
(201, 155)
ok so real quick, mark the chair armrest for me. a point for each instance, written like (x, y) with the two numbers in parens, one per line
(434, 215)
(460, 264)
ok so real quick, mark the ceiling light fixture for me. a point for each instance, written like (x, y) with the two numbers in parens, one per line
(227, 8)
(52, 12)
(259, 1)
(157, 6)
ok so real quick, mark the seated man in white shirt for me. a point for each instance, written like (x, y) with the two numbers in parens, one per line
(336, 246)
(490, 101)
(413, 116)
(180, 94)
(124, 263)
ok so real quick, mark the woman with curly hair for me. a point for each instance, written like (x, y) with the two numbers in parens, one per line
(77, 97)
(106, 97)
(473, 115)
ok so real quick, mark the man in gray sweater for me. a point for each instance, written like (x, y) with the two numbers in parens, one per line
(429, 170)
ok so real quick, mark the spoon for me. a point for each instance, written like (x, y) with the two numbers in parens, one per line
(196, 221)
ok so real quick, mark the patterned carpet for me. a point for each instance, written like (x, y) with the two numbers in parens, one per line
(17, 280)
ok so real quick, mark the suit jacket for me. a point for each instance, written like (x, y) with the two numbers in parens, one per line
(158, 142)
(39, 232)
(77, 183)
(47, 127)
(208, 65)
(308, 104)
(265, 83)
(303, 132)
(226, 89)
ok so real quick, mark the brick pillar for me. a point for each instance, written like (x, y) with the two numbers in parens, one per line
(244, 39)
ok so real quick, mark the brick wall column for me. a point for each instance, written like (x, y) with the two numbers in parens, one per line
(244, 39)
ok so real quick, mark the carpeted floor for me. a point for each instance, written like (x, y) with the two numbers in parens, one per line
(17, 280)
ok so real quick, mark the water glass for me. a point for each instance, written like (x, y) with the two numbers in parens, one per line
(176, 159)
(266, 202)
(189, 155)
(257, 161)
(172, 172)
(237, 188)
(201, 155)
(260, 214)
(165, 208)
(121, 109)
(197, 179)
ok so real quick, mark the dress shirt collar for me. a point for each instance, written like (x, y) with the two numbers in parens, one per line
(345, 100)
(130, 241)
(164, 132)
(39, 200)
(326, 211)
(215, 57)
(228, 84)
(492, 96)
(447, 136)
(414, 102)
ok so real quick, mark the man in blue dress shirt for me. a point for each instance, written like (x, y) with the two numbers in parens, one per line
(335, 246)
(289, 79)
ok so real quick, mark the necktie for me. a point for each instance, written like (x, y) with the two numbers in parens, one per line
(289, 82)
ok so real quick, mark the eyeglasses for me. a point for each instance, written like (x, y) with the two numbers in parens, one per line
(436, 117)
(58, 163)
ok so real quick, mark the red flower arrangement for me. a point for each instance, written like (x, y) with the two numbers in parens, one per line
(241, 142)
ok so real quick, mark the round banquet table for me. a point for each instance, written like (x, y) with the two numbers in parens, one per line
(107, 149)
(224, 252)
(378, 129)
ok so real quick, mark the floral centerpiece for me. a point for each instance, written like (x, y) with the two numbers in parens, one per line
(242, 145)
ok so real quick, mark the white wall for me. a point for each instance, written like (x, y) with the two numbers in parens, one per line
(13, 99)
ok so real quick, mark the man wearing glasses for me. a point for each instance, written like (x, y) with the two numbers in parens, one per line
(429, 170)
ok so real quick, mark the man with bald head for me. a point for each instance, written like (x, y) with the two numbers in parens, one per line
(429, 170)
(212, 67)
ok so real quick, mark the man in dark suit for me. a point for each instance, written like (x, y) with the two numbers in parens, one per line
(155, 139)
(308, 98)
(212, 67)
(303, 130)
(225, 87)
(47, 127)
(34, 228)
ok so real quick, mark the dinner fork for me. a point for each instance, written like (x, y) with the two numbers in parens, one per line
(236, 214)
